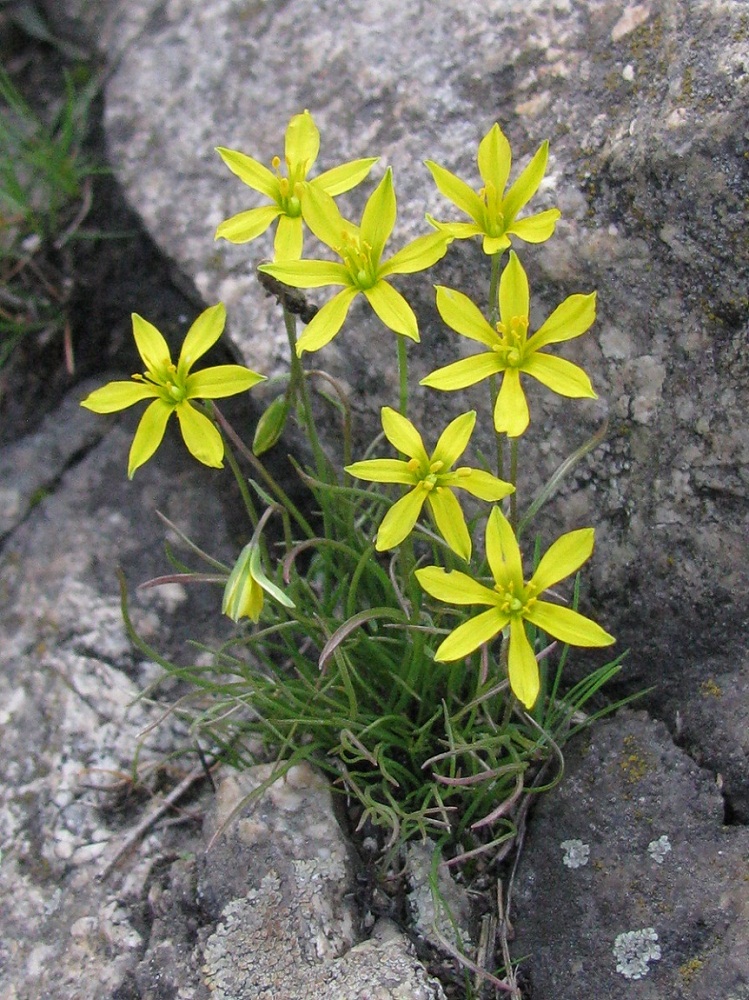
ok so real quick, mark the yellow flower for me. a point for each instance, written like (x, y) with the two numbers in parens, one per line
(431, 479)
(247, 583)
(511, 350)
(287, 193)
(361, 270)
(512, 602)
(494, 212)
(171, 387)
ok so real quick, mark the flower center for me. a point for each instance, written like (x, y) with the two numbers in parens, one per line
(290, 188)
(171, 385)
(512, 602)
(357, 256)
(512, 338)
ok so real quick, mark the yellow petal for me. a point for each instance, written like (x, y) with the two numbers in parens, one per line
(514, 297)
(308, 273)
(463, 316)
(393, 309)
(118, 396)
(152, 347)
(379, 217)
(522, 665)
(302, 143)
(470, 635)
(223, 380)
(467, 371)
(478, 483)
(562, 377)
(495, 159)
(536, 228)
(570, 319)
(149, 434)
(568, 625)
(402, 435)
(511, 415)
(344, 177)
(289, 238)
(564, 557)
(418, 255)
(399, 521)
(454, 440)
(249, 170)
(324, 219)
(201, 437)
(454, 587)
(456, 190)
(383, 470)
(327, 322)
(450, 521)
(527, 183)
(201, 336)
(503, 552)
(247, 225)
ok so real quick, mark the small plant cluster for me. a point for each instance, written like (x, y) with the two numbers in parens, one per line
(44, 197)
(410, 647)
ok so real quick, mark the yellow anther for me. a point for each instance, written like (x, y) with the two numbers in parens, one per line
(413, 465)
(436, 466)
(276, 162)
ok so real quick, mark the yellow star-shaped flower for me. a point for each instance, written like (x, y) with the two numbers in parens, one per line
(512, 602)
(431, 478)
(171, 387)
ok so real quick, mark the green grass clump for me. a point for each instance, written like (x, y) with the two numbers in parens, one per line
(45, 194)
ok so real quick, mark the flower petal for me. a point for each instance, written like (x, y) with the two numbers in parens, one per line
(503, 552)
(249, 170)
(522, 665)
(378, 218)
(536, 228)
(454, 587)
(152, 347)
(308, 273)
(511, 415)
(454, 440)
(456, 190)
(289, 238)
(568, 625)
(201, 437)
(417, 255)
(471, 634)
(495, 244)
(256, 570)
(149, 434)
(564, 557)
(201, 336)
(458, 230)
(302, 143)
(467, 371)
(495, 159)
(562, 377)
(383, 470)
(393, 309)
(118, 396)
(462, 315)
(526, 185)
(344, 177)
(398, 523)
(248, 225)
(327, 322)
(479, 484)
(223, 380)
(514, 296)
(450, 521)
(324, 219)
(402, 435)
(570, 319)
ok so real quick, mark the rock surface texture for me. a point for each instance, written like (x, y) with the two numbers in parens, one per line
(631, 886)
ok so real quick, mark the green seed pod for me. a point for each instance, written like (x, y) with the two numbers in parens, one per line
(270, 425)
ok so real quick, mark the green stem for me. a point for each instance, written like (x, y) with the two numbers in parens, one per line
(494, 289)
(493, 395)
(258, 466)
(403, 373)
(299, 385)
(241, 483)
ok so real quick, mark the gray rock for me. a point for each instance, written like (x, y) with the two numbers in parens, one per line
(628, 874)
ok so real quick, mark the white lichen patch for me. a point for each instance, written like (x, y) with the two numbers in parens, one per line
(658, 849)
(576, 853)
(634, 950)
